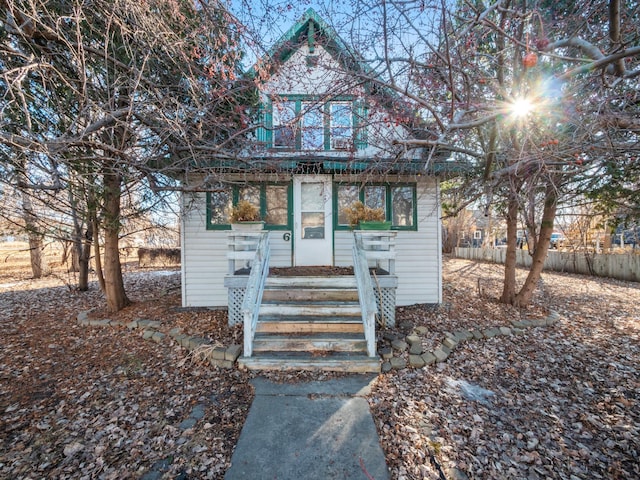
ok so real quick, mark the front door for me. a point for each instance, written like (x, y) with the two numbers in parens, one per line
(312, 222)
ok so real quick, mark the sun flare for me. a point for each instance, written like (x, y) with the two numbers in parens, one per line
(521, 107)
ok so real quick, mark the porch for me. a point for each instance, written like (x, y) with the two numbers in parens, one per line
(311, 318)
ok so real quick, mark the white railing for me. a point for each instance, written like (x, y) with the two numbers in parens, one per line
(242, 247)
(365, 294)
(380, 247)
(253, 292)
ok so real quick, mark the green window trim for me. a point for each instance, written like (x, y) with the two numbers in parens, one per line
(359, 107)
(388, 203)
(235, 195)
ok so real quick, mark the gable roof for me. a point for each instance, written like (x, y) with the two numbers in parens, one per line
(310, 28)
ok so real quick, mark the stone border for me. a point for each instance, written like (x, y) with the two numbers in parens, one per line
(418, 358)
(200, 348)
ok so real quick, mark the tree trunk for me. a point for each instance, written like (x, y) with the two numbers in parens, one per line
(76, 253)
(487, 240)
(114, 284)
(97, 257)
(76, 237)
(524, 296)
(39, 267)
(509, 286)
(83, 259)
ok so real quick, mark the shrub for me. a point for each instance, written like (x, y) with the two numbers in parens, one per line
(244, 211)
(358, 212)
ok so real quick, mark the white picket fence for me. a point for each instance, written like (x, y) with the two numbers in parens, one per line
(623, 266)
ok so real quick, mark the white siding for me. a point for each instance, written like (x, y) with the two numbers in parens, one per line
(295, 77)
(342, 248)
(418, 253)
(418, 261)
(204, 257)
(280, 248)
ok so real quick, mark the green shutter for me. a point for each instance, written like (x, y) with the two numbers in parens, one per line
(360, 122)
(265, 120)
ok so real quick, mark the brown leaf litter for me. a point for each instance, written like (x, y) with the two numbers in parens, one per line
(101, 402)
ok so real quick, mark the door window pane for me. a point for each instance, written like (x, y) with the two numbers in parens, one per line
(312, 197)
(312, 225)
(347, 194)
(402, 206)
(284, 131)
(312, 207)
(276, 205)
(312, 127)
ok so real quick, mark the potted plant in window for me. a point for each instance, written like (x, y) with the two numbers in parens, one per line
(366, 218)
(245, 216)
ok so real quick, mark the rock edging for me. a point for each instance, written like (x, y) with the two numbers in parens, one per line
(200, 348)
(393, 355)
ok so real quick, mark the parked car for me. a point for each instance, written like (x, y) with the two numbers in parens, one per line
(557, 240)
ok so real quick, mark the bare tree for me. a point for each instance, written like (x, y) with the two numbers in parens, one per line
(113, 93)
(537, 99)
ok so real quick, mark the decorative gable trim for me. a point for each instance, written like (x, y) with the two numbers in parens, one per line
(315, 27)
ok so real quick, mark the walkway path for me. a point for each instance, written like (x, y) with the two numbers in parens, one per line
(314, 430)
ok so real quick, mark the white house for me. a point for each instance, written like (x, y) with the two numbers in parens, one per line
(327, 140)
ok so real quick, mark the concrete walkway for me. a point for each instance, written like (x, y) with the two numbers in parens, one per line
(314, 430)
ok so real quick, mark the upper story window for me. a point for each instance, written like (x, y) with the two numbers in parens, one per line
(341, 125)
(312, 135)
(284, 124)
(304, 123)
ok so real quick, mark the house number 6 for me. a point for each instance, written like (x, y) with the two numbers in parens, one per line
(286, 237)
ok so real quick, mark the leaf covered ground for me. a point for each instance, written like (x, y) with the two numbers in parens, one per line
(101, 402)
(559, 402)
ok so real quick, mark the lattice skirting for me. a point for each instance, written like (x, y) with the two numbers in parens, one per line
(236, 295)
(386, 301)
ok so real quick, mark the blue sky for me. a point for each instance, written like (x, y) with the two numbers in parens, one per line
(268, 20)
(357, 22)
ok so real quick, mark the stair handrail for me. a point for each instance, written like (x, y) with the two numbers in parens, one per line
(365, 294)
(253, 292)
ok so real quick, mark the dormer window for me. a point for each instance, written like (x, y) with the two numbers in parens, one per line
(304, 123)
(312, 126)
(284, 123)
(341, 125)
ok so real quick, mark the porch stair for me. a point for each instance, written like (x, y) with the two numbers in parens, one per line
(310, 323)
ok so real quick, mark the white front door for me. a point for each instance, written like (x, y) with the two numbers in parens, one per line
(312, 222)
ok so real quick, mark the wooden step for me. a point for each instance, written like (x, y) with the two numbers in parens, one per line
(310, 323)
(305, 325)
(332, 342)
(337, 362)
(310, 309)
(345, 281)
(273, 295)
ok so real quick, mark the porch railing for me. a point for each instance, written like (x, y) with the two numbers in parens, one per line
(254, 290)
(365, 294)
(380, 247)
